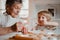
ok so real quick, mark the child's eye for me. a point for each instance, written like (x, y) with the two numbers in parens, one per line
(42, 17)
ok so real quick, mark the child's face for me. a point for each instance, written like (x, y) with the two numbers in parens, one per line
(42, 18)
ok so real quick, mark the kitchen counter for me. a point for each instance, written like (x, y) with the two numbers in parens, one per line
(5, 37)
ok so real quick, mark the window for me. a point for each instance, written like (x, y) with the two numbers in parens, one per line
(25, 9)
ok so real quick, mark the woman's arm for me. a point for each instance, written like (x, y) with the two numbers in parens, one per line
(5, 30)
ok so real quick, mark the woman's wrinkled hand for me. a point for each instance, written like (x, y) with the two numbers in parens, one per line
(20, 27)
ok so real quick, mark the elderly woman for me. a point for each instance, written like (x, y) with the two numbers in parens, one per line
(10, 21)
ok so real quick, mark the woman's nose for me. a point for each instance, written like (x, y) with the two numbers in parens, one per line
(18, 11)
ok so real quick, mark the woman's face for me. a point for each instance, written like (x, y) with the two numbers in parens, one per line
(14, 9)
(42, 18)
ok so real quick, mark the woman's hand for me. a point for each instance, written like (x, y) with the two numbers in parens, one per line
(24, 30)
(21, 28)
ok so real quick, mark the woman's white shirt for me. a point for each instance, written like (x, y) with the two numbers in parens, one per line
(7, 21)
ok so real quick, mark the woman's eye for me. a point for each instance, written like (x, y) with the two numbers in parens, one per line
(15, 7)
(38, 17)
